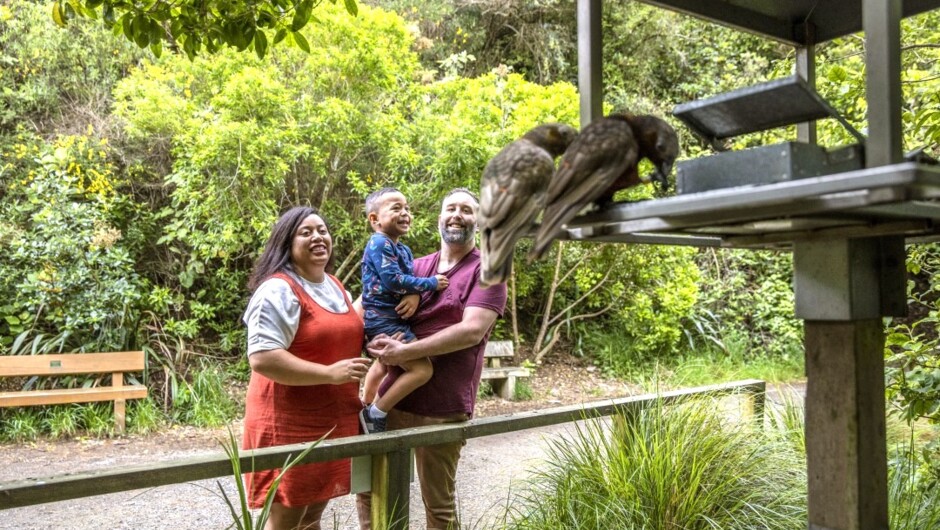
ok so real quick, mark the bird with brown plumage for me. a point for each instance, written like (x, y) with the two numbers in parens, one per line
(601, 161)
(512, 193)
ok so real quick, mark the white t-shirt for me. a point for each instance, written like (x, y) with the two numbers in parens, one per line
(273, 312)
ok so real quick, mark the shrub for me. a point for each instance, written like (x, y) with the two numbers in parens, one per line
(60, 252)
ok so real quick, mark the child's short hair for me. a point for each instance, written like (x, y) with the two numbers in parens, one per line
(372, 200)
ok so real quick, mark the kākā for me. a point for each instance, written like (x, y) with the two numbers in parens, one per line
(601, 161)
(512, 193)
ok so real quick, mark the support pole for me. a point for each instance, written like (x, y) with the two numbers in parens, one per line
(881, 20)
(806, 70)
(590, 62)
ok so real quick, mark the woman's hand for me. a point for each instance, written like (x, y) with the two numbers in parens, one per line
(349, 370)
(408, 305)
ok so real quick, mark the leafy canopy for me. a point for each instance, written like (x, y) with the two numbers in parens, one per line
(193, 26)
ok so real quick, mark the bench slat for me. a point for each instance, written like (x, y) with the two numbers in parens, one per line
(71, 363)
(498, 348)
(504, 372)
(61, 396)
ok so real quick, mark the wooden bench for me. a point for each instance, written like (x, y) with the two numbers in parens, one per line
(113, 363)
(501, 378)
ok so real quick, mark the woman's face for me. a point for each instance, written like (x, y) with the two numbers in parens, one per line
(312, 244)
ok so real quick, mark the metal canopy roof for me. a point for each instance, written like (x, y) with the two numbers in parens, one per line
(786, 20)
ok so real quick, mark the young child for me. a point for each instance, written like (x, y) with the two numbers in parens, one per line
(387, 274)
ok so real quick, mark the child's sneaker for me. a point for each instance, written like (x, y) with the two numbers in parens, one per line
(370, 424)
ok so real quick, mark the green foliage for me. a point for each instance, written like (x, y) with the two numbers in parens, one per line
(62, 256)
(248, 138)
(644, 293)
(746, 305)
(912, 364)
(193, 27)
(913, 479)
(242, 516)
(663, 468)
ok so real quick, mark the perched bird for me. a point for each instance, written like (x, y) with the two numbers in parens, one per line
(600, 162)
(512, 193)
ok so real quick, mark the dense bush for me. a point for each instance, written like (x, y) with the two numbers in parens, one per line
(54, 79)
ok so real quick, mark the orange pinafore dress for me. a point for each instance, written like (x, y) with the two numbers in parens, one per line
(277, 414)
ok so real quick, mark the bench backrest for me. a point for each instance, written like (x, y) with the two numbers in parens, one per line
(71, 363)
(498, 348)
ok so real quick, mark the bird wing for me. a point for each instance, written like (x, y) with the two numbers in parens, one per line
(512, 193)
(605, 150)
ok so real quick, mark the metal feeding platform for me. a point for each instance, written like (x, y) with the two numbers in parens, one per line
(774, 195)
(889, 200)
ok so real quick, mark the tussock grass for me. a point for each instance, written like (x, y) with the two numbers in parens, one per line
(665, 468)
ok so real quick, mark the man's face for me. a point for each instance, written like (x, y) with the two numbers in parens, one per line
(458, 219)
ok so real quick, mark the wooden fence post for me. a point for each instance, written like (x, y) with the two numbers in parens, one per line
(391, 482)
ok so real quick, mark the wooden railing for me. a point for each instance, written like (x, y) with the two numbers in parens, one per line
(390, 452)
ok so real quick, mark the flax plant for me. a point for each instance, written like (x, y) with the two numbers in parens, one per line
(242, 517)
(673, 467)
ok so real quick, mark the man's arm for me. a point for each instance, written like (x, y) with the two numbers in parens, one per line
(468, 332)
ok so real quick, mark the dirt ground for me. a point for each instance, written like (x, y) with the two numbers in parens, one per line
(488, 470)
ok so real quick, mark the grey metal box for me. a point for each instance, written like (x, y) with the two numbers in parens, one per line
(764, 165)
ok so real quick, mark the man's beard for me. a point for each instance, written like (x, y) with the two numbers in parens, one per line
(460, 237)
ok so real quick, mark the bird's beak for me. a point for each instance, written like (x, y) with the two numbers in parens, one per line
(661, 175)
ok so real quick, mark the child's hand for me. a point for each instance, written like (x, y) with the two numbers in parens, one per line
(407, 306)
(442, 282)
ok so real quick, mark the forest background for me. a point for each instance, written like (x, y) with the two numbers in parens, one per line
(139, 184)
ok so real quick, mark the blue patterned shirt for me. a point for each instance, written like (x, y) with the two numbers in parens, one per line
(387, 274)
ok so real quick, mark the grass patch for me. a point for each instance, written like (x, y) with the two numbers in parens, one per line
(714, 366)
(20, 424)
(62, 421)
(523, 390)
(205, 401)
(144, 416)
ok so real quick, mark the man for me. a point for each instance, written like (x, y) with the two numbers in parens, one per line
(452, 327)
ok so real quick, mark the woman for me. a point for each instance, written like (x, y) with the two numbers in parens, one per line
(304, 344)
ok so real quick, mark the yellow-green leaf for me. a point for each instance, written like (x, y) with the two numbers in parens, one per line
(58, 16)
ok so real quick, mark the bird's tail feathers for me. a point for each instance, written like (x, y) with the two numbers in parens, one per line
(490, 277)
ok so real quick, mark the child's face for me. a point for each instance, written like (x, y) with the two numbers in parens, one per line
(393, 218)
